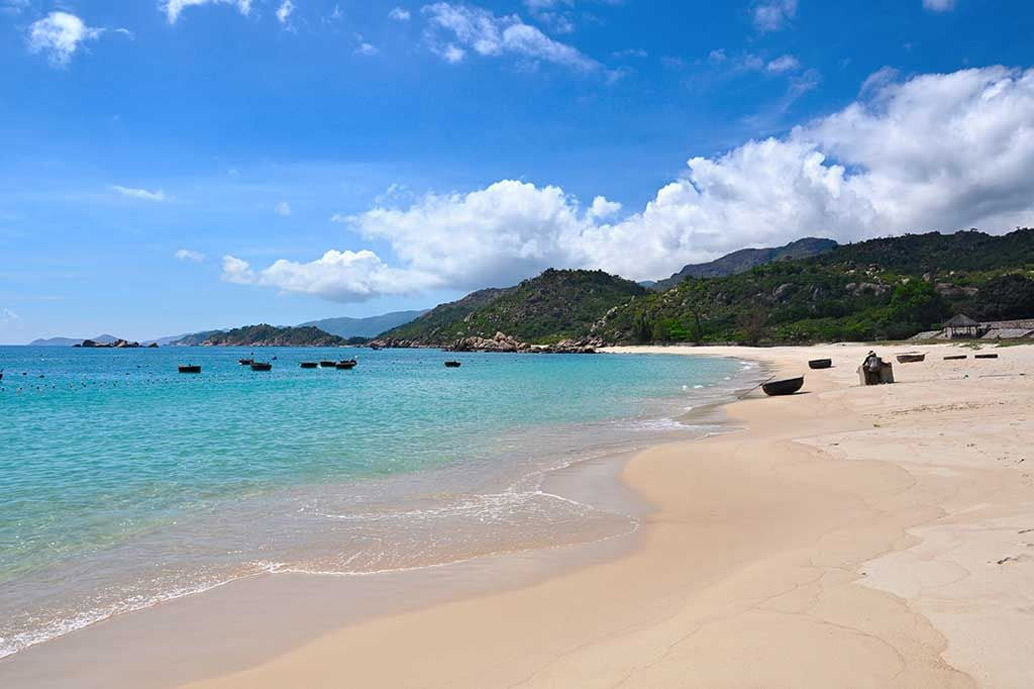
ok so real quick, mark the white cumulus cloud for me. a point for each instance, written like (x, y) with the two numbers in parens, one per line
(456, 29)
(786, 63)
(939, 5)
(937, 151)
(773, 15)
(173, 8)
(283, 209)
(284, 12)
(59, 35)
(189, 255)
(602, 208)
(142, 194)
(363, 47)
(400, 14)
(343, 276)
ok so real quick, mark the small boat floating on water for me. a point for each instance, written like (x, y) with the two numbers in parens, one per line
(261, 366)
(453, 364)
(777, 388)
(310, 364)
(328, 364)
(245, 362)
(189, 369)
(347, 365)
(820, 363)
(911, 358)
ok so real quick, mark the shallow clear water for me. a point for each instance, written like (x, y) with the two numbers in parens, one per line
(123, 482)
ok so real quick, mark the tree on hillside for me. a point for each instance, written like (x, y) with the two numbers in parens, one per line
(914, 306)
(1004, 298)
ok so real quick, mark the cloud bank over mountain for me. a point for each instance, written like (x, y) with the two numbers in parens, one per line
(934, 151)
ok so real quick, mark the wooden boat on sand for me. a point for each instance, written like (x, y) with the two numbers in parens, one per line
(778, 388)
(820, 363)
(911, 358)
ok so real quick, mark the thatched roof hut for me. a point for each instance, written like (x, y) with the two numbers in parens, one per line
(962, 325)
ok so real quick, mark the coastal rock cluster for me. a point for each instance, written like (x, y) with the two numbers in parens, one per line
(501, 343)
(117, 344)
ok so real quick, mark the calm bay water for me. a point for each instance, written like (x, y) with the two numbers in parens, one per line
(124, 483)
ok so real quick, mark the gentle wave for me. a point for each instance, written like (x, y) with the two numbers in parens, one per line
(292, 473)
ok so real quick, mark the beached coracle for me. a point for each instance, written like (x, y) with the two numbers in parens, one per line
(453, 364)
(310, 364)
(189, 369)
(777, 388)
(820, 363)
(911, 358)
(261, 366)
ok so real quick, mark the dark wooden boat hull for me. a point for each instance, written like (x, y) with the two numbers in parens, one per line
(310, 364)
(453, 364)
(346, 365)
(328, 364)
(778, 388)
(262, 367)
(911, 358)
(245, 362)
(189, 369)
(985, 356)
(956, 357)
(820, 363)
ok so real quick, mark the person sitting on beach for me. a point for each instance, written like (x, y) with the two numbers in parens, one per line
(871, 367)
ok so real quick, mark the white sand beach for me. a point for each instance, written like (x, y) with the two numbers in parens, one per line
(847, 536)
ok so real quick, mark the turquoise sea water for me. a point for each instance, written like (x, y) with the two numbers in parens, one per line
(124, 483)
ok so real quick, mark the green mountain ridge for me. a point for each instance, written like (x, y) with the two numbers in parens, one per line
(890, 288)
(71, 341)
(264, 336)
(370, 326)
(743, 260)
(556, 305)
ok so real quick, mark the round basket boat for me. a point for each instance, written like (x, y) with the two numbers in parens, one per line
(820, 363)
(778, 388)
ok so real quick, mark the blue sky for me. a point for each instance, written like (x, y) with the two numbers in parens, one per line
(183, 165)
